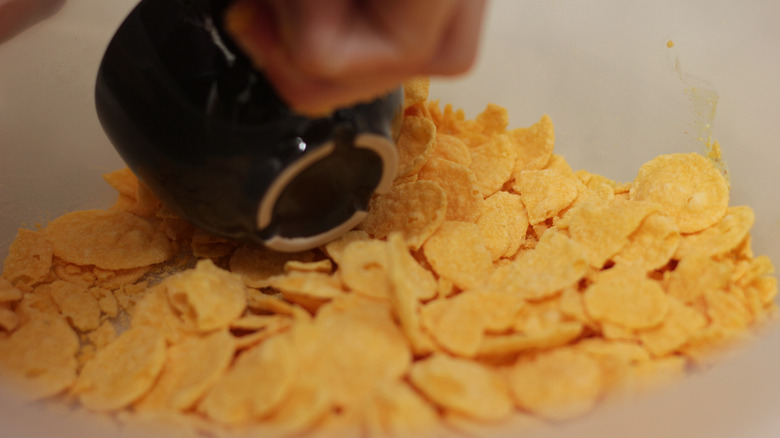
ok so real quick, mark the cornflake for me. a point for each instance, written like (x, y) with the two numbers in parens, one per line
(416, 209)
(628, 298)
(464, 199)
(462, 386)
(39, 358)
(556, 385)
(29, 258)
(121, 372)
(492, 290)
(109, 239)
(207, 297)
(689, 188)
(456, 251)
(254, 385)
(545, 193)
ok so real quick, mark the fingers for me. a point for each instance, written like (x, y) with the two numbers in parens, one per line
(18, 15)
(458, 47)
(323, 54)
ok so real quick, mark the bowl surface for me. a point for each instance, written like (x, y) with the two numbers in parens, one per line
(602, 70)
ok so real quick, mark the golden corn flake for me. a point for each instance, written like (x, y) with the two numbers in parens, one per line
(503, 223)
(123, 181)
(347, 331)
(447, 120)
(452, 148)
(462, 386)
(207, 297)
(155, 312)
(416, 91)
(76, 304)
(604, 187)
(134, 196)
(415, 209)
(603, 227)
(108, 239)
(539, 315)
(39, 358)
(364, 268)
(207, 245)
(545, 193)
(688, 187)
(114, 279)
(37, 304)
(534, 145)
(103, 335)
(556, 263)
(652, 374)
(726, 310)
(464, 199)
(265, 303)
(493, 119)
(571, 304)
(123, 371)
(256, 264)
(8, 293)
(616, 332)
(557, 385)
(455, 324)
(29, 258)
(251, 330)
(9, 320)
(625, 296)
(510, 345)
(652, 245)
(335, 248)
(720, 238)
(297, 413)
(456, 251)
(712, 343)
(107, 302)
(415, 144)
(191, 368)
(254, 385)
(423, 283)
(616, 360)
(626, 352)
(308, 289)
(696, 274)
(81, 275)
(409, 284)
(252, 322)
(500, 309)
(492, 163)
(342, 424)
(680, 323)
(324, 266)
(400, 411)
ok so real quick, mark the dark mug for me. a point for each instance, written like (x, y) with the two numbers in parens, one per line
(209, 136)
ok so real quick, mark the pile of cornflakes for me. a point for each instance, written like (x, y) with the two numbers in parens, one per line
(493, 288)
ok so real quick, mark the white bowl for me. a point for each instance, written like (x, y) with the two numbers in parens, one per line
(602, 70)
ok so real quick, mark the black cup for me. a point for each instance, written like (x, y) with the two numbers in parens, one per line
(206, 132)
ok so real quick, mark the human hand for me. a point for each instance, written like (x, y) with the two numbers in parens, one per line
(322, 54)
(18, 15)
